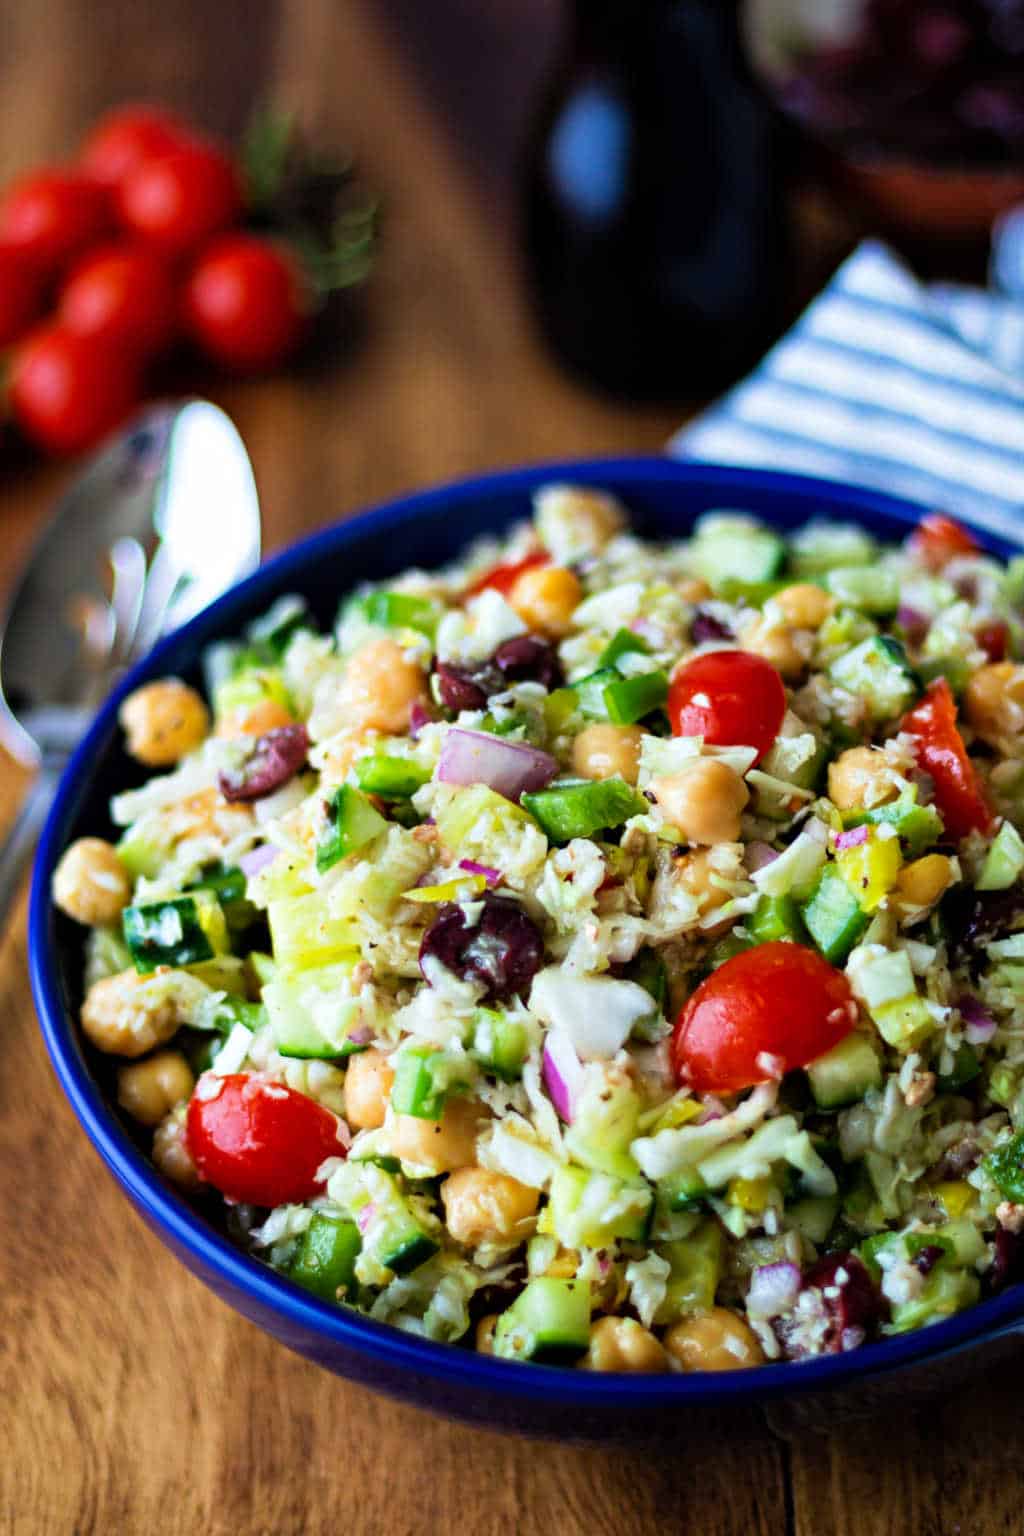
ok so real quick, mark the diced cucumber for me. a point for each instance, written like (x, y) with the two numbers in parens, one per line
(581, 808)
(814, 1218)
(878, 672)
(500, 1043)
(605, 1125)
(966, 1067)
(695, 1267)
(732, 546)
(647, 969)
(140, 855)
(393, 1236)
(549, 1322)
(415, 1090)
(873, 589)
(183, 931)
(955, 669)
(775, 918)
(882, 978)
(1004, 862)
(682, 1191)
(945, 1291)
(325, 1260)
(351, 822)
(904, 1023)
(229, 887)
(845, 1073)
(246, 689)
(821, 547)
(592, 1210)
(917, 826)
(472, 806)
(311, 1013)
(833, 916)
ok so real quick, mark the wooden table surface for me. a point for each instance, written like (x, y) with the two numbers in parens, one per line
(131, 1400)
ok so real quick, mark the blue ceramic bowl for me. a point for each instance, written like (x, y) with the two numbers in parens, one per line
(428, 529)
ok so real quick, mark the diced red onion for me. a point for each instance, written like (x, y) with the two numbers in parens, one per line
(979, 1025)
(251, 863)
(758, 855)
(852, 839)
(344, 1134)
(492, 876)
(915, 623)
(508, 767)
(562, 1072)
(713, 1109)
(361, 1036)
(365, 1216)
(774, 1289)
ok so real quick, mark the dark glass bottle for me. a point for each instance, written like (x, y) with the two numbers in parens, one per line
(654, 218)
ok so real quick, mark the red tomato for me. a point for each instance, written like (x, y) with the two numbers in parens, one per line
(246, 302)
(994, 640)
(942, 754)
(51, 216)
(179, 200)
(504, 577)
(260, 1142)
(781, 999)
(937, 539)
(20, 295)
(123, 294)
(128, 136)
(67, 392)
(731, 698)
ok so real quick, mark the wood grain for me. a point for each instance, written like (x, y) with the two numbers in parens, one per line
(131, 1400)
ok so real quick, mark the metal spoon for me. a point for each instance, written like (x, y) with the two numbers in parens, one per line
(162, 521)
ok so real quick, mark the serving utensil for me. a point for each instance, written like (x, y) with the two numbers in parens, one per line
(161, 521)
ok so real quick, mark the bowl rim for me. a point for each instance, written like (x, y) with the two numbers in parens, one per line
(227, 1268)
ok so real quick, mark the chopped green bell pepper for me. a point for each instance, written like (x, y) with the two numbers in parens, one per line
(581, 808)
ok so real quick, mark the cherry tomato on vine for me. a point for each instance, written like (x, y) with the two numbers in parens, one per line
(21, 295)
(731, 698)
(246, 302)
(180, 199)
(123, 294)
(67, 392)
(942, 755)
(260, 1142)
(938, 539)
(502, 578)
(51, 216)
(779, 1000)
(126, 137)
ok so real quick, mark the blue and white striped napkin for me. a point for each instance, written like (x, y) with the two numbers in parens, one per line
(890, 384)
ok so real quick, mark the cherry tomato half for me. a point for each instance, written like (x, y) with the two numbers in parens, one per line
(128, 136)
(781, 1000)
(51, 216)
(122, 294)
(937, 539)
(21, 293)
(246, 302)
(67, 391)
(942, 754)
(731, 698)
(502, 578)
(260, 1142)
(182, 198)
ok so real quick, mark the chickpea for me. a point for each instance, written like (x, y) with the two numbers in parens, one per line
(90, 883)
(339, 759)
(861, 778)
(694, 872)
(602, 751)
(163, 721)
(441, 1145)
(779, 645)
(622, 1344)
(994, 701)
(485, 1207)
(368, 1083)
(129, 1014)
(718, 1340)
(150, 1089)
(485, 1334)
(694, 589)
(703, 800)
(380, 687)
(545, 598)
(804, 606)
(921, 883)
(171, 1154)
(255, 719)
(575, 521)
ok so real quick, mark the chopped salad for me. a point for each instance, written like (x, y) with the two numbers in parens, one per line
(599, 952)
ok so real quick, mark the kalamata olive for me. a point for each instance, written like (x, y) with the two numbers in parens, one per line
(706, 627)
(851, 1308)
(528, 659)
(926, 1258)
(974, 918)
(1008, 1265)
(273, 759)
(457, 688)
(502, 952)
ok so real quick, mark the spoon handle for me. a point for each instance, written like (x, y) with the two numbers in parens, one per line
(19, 844)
